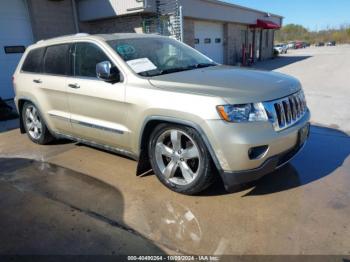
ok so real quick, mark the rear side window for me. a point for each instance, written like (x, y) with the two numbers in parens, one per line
(33, 61)
(56, 60)
(86, 57)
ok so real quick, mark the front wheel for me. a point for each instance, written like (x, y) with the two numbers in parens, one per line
(180, 159)
(34, 125)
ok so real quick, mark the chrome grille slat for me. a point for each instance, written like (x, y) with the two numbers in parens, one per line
(287, 111)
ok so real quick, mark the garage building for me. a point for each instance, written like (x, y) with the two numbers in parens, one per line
(227, 33)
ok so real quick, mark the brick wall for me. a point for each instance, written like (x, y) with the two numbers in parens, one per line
(267, 47)
(125, 24)
(233, 43)
(51, 18)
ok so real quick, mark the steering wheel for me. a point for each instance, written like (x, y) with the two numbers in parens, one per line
(170, 59)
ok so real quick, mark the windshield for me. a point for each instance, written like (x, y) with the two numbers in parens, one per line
(154, 56)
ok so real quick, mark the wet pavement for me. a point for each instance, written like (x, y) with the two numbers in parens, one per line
(68, 198)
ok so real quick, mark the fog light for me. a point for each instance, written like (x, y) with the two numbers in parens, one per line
(257, 152)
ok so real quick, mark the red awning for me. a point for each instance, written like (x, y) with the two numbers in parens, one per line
(264, 24)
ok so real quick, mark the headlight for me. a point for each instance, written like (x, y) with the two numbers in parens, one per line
(243, 113)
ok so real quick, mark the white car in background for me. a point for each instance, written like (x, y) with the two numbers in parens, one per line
(281, 48)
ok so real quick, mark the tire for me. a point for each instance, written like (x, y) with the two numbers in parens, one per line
(34, 125)
(180, 159)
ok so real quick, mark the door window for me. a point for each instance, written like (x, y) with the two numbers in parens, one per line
(33, 61)
(56, 60)
(86, 57)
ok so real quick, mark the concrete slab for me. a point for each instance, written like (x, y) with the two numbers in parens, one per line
(300, 209)
(67, 198)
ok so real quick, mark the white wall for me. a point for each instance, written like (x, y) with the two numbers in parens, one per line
(15, 29)
(214, 10)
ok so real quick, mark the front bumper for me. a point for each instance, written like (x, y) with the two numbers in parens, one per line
(232, 179)
(232, 142)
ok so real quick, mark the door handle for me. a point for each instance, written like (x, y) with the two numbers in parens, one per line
(75, 86)
(37, 81)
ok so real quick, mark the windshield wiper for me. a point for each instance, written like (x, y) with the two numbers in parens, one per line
(176, 69)
(179, 69)
(202, 65)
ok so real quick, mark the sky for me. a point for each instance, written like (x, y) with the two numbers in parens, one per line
(312, 14)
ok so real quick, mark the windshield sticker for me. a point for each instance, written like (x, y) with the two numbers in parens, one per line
(141, 65)
(125, 50)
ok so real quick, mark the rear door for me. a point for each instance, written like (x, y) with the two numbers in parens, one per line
(56, 68)
(97, 108)
(43, 77)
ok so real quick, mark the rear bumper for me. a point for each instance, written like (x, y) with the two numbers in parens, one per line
(232, 179)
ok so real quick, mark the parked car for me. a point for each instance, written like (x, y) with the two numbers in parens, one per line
(299, 45)
(164, 104)
(281, 48)
(291, 45)
(306, 44)
(331, 43)
(319, 44)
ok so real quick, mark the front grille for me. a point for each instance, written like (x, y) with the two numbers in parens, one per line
(287, 111)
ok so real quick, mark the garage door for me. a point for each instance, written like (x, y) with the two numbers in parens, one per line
(209, 38)
(15, 32)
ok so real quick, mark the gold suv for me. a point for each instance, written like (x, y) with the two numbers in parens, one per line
(164, 104)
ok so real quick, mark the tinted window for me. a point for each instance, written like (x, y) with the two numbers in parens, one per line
(33, 61)
(55, 61)
(86, 56)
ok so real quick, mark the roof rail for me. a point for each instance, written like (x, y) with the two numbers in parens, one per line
(82, 34)
(63, 36)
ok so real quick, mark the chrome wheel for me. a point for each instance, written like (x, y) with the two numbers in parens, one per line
(177, 157)
(33, 122)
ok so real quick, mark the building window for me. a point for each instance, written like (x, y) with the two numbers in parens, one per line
(17, 49)
(207, 40)
(196, 41)
(217, 40)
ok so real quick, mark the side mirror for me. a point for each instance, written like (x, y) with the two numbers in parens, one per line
(106, 72)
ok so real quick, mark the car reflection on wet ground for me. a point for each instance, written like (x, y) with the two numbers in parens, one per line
(67, 198)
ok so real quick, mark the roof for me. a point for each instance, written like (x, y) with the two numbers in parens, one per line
(85, 36)
(220, 2)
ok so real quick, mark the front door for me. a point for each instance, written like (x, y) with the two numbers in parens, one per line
(97, 107)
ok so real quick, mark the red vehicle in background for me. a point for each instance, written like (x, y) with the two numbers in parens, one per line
(299, 45)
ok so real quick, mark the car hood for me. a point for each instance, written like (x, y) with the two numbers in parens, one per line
(234, 84)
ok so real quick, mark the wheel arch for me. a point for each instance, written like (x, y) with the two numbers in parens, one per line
(148, 126)
(21, 103)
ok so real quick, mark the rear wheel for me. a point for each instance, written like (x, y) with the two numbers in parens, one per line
(180, 159)
(34, 125)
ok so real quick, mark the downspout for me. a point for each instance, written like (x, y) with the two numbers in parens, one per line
(29, 10)
(75, 16)
(181, 24)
